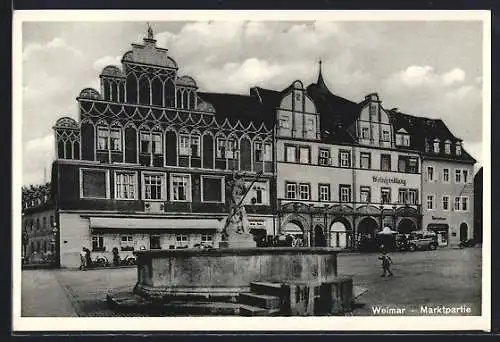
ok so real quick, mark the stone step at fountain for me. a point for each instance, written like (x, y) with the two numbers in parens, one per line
(267, 288)
(259, 300)
(249, 310)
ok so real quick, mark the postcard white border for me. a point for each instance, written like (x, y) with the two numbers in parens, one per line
(247, 323)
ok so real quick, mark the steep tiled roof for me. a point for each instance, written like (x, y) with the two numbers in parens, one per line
(235, 107)
(424, 130)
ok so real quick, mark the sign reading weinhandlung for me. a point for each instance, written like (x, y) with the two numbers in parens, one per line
(389, 180)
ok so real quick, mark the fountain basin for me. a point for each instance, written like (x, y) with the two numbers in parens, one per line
(226, 272)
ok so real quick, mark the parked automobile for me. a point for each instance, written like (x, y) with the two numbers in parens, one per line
(467, 243)
(420, 241)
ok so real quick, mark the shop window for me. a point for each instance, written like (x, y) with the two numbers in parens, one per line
(127, 243)
(212, 189)
(154, 241)
(98, 243)
(181, 240)
(94, 183)
(206, 238)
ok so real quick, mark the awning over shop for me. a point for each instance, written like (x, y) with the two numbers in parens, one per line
(292, 228)
(119, 223)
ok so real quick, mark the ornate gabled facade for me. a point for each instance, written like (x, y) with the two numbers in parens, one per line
(145, 164)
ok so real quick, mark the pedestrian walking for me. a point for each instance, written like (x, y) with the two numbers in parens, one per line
(386, 264)
(88, 259)
(83, 259)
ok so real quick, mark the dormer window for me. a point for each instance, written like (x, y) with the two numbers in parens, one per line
(447, 147)
(436, 145)
(386, 135)
(402, 138)
(458, 149)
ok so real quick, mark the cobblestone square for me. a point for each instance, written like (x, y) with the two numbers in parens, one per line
(441, 277)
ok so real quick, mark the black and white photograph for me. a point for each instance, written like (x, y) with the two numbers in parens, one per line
(251, 170)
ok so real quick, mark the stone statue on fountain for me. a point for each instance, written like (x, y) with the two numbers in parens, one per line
(236, 230)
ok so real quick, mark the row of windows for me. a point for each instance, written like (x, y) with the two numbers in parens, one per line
(302, 191)
(461, 175)
(39, 247)
(150, 92)
(460, 203)
(436, 147)
(95, 184)
(302, 155)
(127, 242)
(32, 224)
(189, 145)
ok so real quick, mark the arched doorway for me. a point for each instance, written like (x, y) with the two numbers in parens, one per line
(294, 229)
(367, 227)
(338, 235)
(319, 237)
(406, 226)
(464, 232)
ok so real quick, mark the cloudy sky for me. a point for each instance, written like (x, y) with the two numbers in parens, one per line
(430, 69)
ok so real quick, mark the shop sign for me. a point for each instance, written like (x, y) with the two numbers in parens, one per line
(389, 180)
(437, 218)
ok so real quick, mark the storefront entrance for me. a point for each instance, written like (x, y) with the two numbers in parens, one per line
(406, 226)
(367, 228)
(294, 229)
(442, 231)
(464, 232)
(319, 237)
(338, 235)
